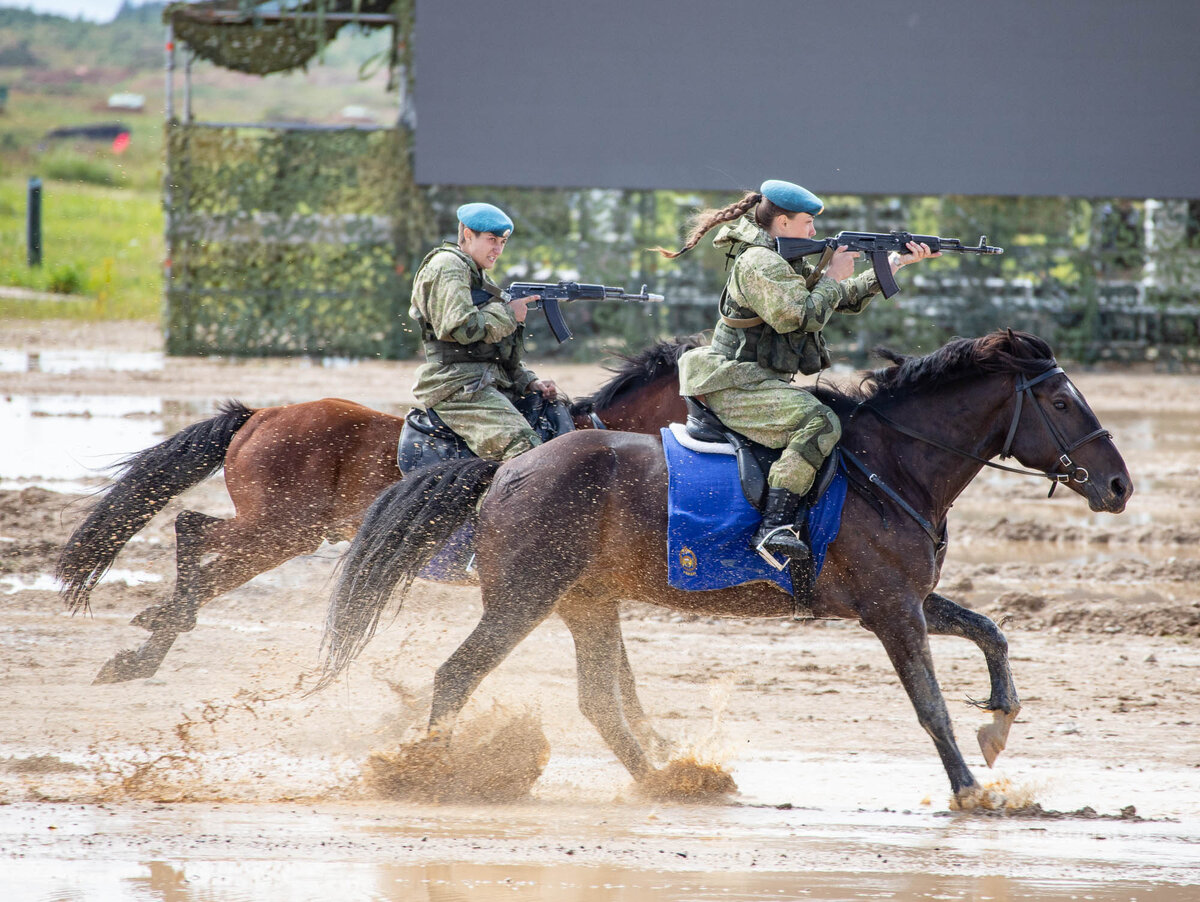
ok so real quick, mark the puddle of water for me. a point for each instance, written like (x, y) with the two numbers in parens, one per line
(1150, 431)
(73, 437)
(234, 881)
(44, 582)
(629, 853)
(74, 361)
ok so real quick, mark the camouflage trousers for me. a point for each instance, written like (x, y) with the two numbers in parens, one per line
(779, 416)
(487, 421)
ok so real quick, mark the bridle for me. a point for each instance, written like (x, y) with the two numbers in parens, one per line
(1024, 386)
(1072, 471)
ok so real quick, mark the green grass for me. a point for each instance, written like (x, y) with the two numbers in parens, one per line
(102, 221)
(107, 243)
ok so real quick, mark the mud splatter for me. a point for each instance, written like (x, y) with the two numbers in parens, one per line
(688, 780)
(1005, 799)
(40, 764)
(493, 758)
(182, 764)
(998, 795)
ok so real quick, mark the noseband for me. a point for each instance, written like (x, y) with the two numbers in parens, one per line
(1073, 472)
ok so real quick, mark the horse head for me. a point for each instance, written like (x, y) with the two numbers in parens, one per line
(1053, 429)
(1036, 414)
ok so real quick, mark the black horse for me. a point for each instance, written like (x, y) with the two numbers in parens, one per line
(579, 525)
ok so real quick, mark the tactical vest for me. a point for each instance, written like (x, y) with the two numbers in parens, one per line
(742, 335)
(506, 352)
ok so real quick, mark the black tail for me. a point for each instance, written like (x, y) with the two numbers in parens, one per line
(402, 531)
(147, 481)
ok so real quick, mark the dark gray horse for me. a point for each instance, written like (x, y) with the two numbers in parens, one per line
(579, 525)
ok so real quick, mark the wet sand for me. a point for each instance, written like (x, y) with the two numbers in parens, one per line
(219, 778)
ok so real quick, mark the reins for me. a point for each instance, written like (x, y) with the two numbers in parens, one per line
(1024, 386)
(938, 537)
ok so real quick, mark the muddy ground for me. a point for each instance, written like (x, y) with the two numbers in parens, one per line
(222, 768)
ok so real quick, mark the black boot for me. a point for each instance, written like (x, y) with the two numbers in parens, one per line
(776, 537)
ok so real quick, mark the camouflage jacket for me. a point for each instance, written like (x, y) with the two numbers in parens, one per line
(763, 286)
(454, 329)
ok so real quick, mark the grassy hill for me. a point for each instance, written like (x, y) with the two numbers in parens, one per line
(102, 218)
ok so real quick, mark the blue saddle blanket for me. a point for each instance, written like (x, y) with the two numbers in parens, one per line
(453, 561)
(710, 522)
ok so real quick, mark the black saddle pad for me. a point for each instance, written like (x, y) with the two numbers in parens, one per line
(426, 439)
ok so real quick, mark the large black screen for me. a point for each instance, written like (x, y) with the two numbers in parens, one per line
(1017, 97)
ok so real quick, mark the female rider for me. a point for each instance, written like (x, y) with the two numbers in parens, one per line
(769, 329)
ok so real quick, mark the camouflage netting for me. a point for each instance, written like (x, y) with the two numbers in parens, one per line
(286, 242)
(260, 47)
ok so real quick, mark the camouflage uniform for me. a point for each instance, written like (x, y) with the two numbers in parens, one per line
(473, 371)
(770, 330)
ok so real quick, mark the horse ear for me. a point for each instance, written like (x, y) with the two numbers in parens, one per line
(885, 353)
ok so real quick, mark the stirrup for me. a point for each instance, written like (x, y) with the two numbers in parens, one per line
(767, 555)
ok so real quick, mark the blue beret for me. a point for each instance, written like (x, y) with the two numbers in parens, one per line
(485, 218)
(791, 197)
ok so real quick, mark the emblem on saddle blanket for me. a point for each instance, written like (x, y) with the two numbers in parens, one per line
(710, 522)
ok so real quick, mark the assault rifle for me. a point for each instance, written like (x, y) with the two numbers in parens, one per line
(552, 294)
(876, 245)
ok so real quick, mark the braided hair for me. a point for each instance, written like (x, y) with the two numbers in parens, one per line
(764, 214)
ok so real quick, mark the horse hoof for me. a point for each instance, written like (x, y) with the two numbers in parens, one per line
(123, 666)
(993, 737)
(978, 797)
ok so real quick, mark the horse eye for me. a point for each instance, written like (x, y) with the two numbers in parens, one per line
(1060, 405)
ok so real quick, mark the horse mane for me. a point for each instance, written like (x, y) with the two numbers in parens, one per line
(636, 371)
(1002, 351)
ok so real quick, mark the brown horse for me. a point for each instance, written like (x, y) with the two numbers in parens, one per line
(580, 524)
(297, 475)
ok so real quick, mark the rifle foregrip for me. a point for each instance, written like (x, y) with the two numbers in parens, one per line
(554, 319)
(883, 273)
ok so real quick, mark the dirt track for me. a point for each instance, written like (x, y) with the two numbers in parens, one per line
(1104, 630)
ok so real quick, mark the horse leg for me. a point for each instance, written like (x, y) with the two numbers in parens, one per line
(177, 613)
(503, 626)
(167, 619)
(599, 656)
(243, 550)
(532, 545)
(947, 618)
(901, 629)
(635, 715)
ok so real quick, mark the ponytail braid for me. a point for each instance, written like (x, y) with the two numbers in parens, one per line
(707, 219)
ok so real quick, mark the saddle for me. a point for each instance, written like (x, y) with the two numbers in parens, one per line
(753, 459)
(426, 439)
